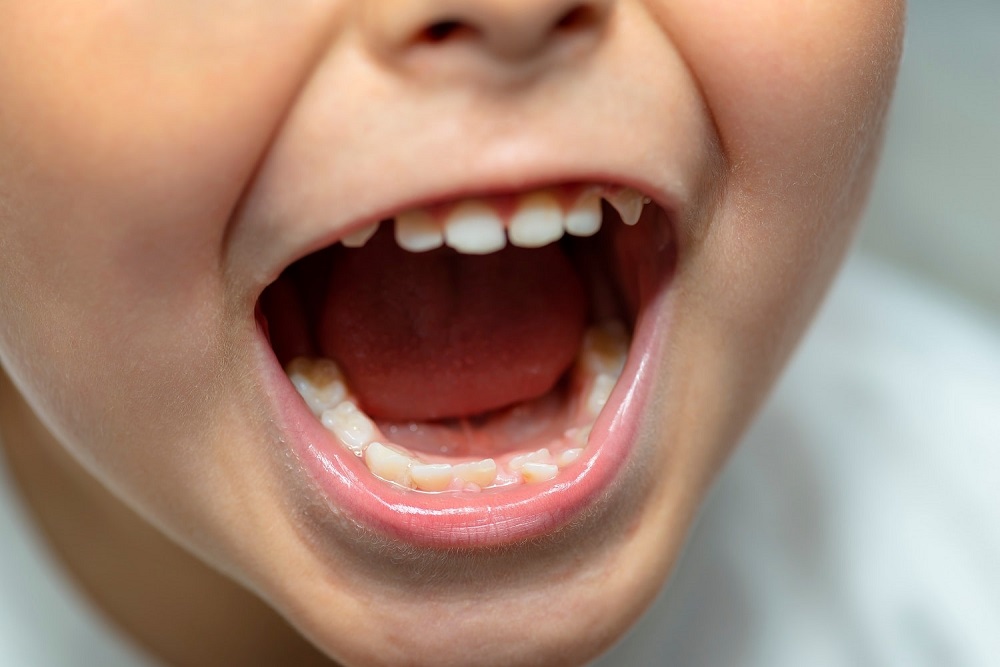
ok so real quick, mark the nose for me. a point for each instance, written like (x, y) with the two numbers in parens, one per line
(504, 30)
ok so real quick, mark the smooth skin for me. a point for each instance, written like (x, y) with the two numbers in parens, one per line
(160, 162)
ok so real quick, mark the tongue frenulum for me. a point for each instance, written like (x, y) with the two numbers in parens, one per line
(438, 335)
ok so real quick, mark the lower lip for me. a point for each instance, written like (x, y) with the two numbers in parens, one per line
(466, 520)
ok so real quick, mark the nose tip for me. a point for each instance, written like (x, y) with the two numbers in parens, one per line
(508, 30)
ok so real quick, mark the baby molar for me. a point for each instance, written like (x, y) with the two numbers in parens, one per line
(481, 473)
(584, 219)
(629, 204)
(319, 382)
(351, 426)
(533, 472)
(579, 436)
(418, 231)
(474, 228)
(389, 463)
(537, 222)
(568, 457)
(605, 348)
(540, 456)
(600, 392)
(360, 237)
(432, 476)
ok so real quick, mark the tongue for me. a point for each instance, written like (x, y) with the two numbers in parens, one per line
(437, 335)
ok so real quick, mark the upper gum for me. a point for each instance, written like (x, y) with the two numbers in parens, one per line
(505, 205)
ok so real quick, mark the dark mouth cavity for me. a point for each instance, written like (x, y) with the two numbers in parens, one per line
(448, 341)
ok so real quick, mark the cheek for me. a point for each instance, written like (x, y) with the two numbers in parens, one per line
(128, 139)
(127, 142)
(798, 93)
(796, 89)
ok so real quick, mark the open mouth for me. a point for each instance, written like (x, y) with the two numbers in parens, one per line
(472, 372)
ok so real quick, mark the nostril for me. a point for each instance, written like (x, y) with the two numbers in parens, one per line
(577, 18)
(441, 30)
(449, 29)
(510, 30)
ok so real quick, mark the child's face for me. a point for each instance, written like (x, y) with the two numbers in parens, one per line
(161, 163)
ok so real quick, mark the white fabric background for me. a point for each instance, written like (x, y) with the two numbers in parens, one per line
(44, 622)
(936, 206)
(859, 523)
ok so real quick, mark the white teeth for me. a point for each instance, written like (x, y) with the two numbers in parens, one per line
(605, 348)
(584, 219)
(537, 222)
(360, 237)
(569, 457)
(417, 231)
(481, 473)
(629, 204)
(432, 476)
(540, 456)
(474, 228)
(599, 393)
(319, 382)
(351, 426)
(538, 472)
(578, 436)
(389, 464)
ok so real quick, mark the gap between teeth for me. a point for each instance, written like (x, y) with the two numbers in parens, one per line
(475, 227)
(326, 393)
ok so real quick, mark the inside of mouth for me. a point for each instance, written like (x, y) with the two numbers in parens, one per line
(454, 372)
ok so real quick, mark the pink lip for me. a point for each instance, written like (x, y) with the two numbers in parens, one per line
(473, 520)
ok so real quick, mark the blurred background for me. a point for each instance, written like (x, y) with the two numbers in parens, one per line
(859, 521)
(936, 205)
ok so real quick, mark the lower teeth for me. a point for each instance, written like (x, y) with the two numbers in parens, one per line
(326, 393)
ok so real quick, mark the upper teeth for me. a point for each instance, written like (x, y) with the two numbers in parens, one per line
(417, 231)
(629, 204)
(359, 237)
(475, 227)
(538, 221)
(584, 219)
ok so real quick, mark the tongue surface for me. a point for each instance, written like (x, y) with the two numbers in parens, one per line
(436, 335)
